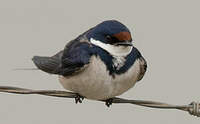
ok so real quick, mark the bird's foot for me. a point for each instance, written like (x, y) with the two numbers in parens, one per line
(78, 98)
(109, 102)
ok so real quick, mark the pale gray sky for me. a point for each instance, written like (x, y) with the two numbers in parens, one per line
(166, 32)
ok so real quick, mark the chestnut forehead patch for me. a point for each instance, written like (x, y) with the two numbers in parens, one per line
(122, 36)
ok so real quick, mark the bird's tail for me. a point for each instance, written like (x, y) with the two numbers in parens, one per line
(47, 64)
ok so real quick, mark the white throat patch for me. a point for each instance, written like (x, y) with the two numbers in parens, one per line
(119, 51)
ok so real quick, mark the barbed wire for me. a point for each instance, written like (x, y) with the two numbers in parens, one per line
(193, 108)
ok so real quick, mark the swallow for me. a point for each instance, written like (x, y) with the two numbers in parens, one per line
(99, 64)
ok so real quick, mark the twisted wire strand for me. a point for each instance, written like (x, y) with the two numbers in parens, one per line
(193, 108)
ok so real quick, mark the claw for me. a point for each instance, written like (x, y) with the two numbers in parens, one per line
(78, 99)
(109, 102)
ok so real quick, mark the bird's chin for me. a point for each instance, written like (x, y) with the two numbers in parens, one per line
(123, 50)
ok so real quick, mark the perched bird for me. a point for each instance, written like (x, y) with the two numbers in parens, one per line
(99, 64)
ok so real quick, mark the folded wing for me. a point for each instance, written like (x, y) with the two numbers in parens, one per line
(72, 59)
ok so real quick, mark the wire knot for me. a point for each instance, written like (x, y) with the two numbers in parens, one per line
(194, 109)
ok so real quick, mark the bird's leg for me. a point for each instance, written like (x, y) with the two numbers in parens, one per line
(108, 102)
(78, 98)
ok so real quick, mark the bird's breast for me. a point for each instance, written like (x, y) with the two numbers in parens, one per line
(95, 82)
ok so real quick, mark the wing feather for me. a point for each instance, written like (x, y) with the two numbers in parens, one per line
(143, 68)
(72, 59)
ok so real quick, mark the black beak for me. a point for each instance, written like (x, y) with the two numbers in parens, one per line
(124, 43)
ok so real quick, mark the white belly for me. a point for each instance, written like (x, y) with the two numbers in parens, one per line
(96, 83)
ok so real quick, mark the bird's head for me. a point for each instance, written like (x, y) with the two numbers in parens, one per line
(112, 36)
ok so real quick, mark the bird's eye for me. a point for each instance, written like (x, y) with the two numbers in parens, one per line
(108, 38)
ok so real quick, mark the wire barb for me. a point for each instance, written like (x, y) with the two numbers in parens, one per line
(193, 108)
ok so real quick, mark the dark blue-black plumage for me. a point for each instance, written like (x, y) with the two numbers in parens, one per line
(105, 28)
(78, 52)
